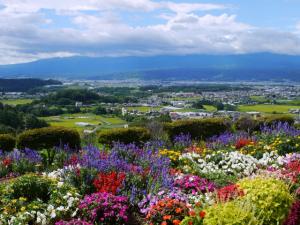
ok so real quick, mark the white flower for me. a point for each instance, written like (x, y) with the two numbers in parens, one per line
(60, 208)
(50, 207)
(53, 214)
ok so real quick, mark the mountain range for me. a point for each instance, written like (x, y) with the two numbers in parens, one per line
(244, 67)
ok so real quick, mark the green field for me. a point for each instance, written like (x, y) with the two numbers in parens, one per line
(210, 108)
(16, 101)
(95, 121)
(258, 99)
(147, 108)
(267, 108)
(143, 108)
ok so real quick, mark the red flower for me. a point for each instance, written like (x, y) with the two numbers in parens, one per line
(176, 222)
(192, 213)
(229, 192)
(202, 214)
(242, 143)
(109, 182)
(7, 162)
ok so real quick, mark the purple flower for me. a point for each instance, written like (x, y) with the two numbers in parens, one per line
(182, 140)
(280, 128)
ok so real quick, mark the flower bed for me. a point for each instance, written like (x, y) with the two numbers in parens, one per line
(233, 178)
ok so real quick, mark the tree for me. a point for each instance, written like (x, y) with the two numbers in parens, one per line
(100, 110)
(198, 105)
(32, 122)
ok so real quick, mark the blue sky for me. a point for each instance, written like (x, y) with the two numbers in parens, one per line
(39, 29)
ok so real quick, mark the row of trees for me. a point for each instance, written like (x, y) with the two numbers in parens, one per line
(13, 121)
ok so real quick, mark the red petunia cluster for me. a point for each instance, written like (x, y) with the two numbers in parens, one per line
(109, 182)
(242, 142)
(292, 171)
(229, 192)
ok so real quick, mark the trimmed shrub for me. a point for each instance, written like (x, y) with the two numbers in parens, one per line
(7, 142)
(269, 120)
(270, 198)
(230, 213)
(249, 124)
(49, 137)
(124, 135)
(198, 129)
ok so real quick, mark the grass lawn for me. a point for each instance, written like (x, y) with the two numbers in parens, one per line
(210, 108)
(267, 108)
(259, 99)
(143, 108)
(16, 101)
(70, 120)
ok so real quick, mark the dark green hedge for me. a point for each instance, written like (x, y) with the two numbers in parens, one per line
(124, 135)
(199, 128)
(269, 120)
(49, 137)
(249, 124)
(7, 142)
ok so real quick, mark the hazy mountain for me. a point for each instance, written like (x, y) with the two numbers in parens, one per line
(262, 66)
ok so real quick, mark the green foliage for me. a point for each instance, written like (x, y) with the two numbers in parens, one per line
(198, 129)
(6, 129)
(279, 118)
(24, 84)
(31, 187)
(124, 135)
(220, 179)
(270, 198)
(230, 213)
(27, 197)
(32, 122)
(49, 137)
(7, 142)
(249, 124)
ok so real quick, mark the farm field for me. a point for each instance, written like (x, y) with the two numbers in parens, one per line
(16, 101)
(89, 121)
(267, 108)
(147, 108)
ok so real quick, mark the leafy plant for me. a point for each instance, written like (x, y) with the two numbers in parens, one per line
(270, 197)
(230, 213)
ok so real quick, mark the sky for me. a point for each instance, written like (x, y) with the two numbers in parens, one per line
(37, 29)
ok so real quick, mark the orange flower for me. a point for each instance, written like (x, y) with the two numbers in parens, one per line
(176, 222)
(169, 204)
(161, 204)
(202, 214)
(167, 217)
(192, 213)
(164, 223)
(190, 223)
(178, 210)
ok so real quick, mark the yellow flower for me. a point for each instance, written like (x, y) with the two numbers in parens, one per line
(23, 209)
(22, 199)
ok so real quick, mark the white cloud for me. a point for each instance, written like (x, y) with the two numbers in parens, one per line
(104, 33)
(100, 5)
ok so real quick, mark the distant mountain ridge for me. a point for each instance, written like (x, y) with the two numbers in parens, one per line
(262, 66)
